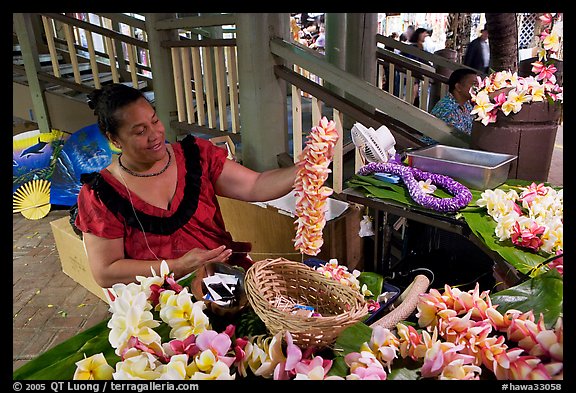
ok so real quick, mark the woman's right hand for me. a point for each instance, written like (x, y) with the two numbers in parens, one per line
(197, 257)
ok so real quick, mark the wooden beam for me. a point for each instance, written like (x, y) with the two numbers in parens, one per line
(189, 22)
(405, 112)
(97, 29)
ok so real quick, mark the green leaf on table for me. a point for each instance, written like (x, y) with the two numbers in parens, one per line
(352, 338)
(541, 294)
(484, 226)
(374, 282)
(405, 369)
(58, 363)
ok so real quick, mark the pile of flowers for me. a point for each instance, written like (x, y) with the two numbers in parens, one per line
(532, 217)
(506, 92)
(340, 273)
(311, 193)
(463, 334)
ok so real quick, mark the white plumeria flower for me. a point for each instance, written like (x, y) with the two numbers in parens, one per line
(147, 282)
(497, 202)
(426, 186)
(505, 225)
(124, 296)
(365, 291)
(136, 321)
(220, 371)
(483, 105)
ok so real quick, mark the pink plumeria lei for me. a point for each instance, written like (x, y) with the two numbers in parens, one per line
(462, 335)
(311, 193)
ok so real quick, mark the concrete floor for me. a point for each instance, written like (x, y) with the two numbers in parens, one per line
(49, 307)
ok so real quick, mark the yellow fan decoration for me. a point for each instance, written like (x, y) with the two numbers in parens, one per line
(32, 199)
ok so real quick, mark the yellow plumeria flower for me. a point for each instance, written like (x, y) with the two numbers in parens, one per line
(220, 371)
(205, 360)
(552, 42)
(183, 315)
(483, 104)
(93, 368)
(176, 369)
(140, 367)
(538, 93)
(514, 101)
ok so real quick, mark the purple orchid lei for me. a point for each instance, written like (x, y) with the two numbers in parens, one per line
(411, 176)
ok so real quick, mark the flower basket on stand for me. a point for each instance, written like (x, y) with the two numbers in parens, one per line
(529, 134)
(519, 114)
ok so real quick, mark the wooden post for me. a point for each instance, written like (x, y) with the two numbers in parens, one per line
(160, 58)
(26, 39)
(264, 120)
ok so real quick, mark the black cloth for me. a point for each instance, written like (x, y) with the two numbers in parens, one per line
(474, 56)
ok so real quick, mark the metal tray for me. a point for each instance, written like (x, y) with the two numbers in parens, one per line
(475, 169)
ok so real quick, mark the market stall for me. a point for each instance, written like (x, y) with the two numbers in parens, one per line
(285, 320)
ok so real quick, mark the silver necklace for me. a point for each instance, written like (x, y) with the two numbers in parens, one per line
(147, 174)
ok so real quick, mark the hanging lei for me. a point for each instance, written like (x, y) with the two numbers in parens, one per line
(311, 193)
(411, 176)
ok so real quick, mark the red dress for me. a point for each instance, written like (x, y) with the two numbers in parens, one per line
(194, 220)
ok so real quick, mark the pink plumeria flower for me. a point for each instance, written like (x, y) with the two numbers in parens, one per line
(187, 346)
(547, 73)
(558, 263)
(314, 369)
(546, 19)
(528, 237)
(218, 343)
(537, 66)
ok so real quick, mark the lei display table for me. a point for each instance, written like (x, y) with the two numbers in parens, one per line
(385, 209)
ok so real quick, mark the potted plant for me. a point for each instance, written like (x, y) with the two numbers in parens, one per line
(520, 115)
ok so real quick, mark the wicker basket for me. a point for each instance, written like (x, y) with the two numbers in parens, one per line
(340, 306)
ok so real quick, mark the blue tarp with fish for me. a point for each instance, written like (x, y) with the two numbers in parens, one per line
(34, 155)
(86, 150)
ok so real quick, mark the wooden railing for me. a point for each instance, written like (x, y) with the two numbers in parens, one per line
(206, 83)
(396, 71)
(205, 76)
(106, 51)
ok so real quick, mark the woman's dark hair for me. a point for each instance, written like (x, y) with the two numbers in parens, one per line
(416, 34)
(457, 76)
(107, 100)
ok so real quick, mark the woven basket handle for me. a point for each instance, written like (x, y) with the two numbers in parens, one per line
(408, 299)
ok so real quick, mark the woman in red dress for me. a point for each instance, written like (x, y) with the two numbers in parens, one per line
(157, 201)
